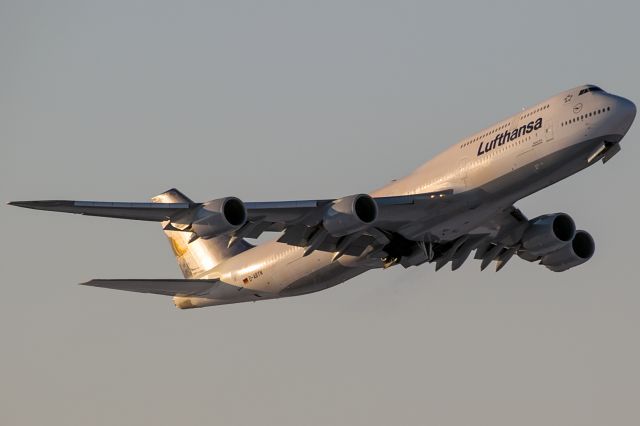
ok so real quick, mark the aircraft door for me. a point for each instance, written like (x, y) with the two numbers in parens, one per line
(548, 131)
(463, 171)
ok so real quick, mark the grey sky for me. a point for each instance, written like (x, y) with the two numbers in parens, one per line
(121, 100)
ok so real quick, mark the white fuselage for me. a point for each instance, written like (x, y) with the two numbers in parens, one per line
(509, 160)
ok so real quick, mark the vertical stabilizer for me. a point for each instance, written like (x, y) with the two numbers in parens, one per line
(197, 257)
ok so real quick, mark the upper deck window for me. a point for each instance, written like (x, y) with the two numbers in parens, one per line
(590, 89)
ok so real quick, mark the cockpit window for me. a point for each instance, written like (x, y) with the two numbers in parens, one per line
(590, 89)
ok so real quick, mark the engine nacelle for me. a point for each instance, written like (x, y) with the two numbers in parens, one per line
(350, 214)
(546, 234)
(575, 253)
(218, 217)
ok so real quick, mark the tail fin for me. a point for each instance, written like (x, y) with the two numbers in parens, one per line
(197, 257)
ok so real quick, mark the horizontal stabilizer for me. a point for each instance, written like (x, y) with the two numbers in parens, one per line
(164, 287)
(155, 212)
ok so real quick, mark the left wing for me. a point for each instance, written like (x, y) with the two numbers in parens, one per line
(270, 215)
(155, 212)
(334, 225)
(410, 229)
(300, 220)
(393, 212)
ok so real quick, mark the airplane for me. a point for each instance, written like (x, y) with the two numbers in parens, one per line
(459, 202)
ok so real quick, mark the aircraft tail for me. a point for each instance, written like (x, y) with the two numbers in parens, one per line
(196, 257)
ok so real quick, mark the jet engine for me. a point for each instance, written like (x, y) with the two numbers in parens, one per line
(217, 217)
(546, 234)
(350, 214)
(575, 253)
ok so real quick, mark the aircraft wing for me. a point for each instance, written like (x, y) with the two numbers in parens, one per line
(278, 214)
(394, 212)
(413, 217)
(404, 229)
(155, 212)
(300, 221)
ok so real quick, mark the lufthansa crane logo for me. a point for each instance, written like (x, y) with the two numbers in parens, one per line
(577, 108)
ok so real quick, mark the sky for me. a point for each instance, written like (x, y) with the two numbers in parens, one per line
(122, 100)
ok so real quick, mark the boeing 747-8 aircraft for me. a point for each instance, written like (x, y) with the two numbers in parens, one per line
(460, 201)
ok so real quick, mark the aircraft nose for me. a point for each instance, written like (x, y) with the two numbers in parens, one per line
(627, 112)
